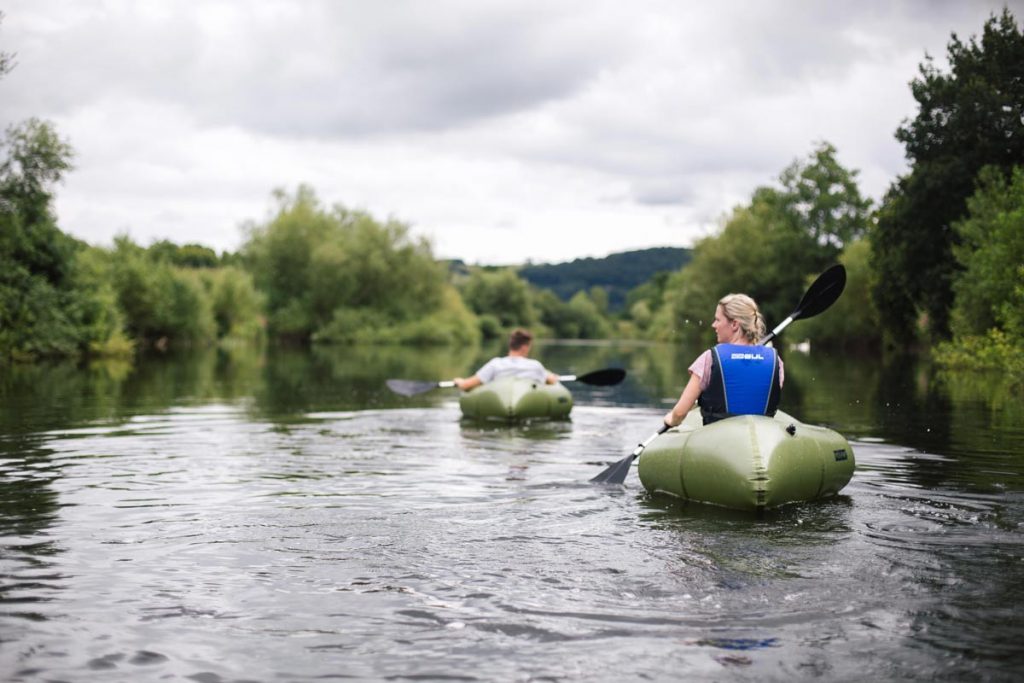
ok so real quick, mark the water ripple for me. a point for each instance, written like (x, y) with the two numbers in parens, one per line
(204, 544)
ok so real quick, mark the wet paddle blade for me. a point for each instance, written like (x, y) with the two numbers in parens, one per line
(615, 474)
(603, 378)
(409, 387)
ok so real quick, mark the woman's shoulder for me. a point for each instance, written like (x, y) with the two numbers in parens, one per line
(702, 361)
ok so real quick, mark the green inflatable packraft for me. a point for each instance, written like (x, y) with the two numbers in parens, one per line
(748, 462)
(513, 398)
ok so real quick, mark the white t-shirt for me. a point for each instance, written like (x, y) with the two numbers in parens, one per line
(512, 366)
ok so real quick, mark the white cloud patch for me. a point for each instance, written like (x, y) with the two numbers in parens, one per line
(504, 131)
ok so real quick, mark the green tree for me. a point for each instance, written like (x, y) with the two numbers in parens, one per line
(51, 300)
(645, 300)
(769, 248)
(236, 304)
(499, 295)
(36, 259)
(732, 261)
(185, 256)
(823, 199)
(581, 317)
(162, 304)
(586, 311)
(990, 287)
(6, 58)
(336, 275)
(968, 118)
(99, 314)
(615, 273)
(852, 321)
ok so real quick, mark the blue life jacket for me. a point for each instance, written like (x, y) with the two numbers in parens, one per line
(744, 381)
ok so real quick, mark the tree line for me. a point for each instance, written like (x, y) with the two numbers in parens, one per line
(617, 274)
(935, 266)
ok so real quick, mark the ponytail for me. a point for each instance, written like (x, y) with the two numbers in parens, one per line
(744, 310)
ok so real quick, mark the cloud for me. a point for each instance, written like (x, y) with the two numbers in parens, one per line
(502, 130)
(322, 69)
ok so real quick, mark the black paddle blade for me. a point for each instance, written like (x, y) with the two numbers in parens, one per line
(615, 474)
(822, 293)
(603, 378)
(409, 387)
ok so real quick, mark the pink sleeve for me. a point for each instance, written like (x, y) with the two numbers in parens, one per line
(702, 368)
(782, 373)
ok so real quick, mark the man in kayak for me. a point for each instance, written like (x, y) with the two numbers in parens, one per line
(515, 364)
(738, 376)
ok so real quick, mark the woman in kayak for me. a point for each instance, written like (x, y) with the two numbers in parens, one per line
(515, 364)
(737, 376)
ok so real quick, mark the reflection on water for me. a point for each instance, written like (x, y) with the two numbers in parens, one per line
(279, 515)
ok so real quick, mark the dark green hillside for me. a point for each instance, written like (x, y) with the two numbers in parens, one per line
(617, 273)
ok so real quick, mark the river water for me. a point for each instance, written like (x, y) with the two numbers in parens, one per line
(280, 516)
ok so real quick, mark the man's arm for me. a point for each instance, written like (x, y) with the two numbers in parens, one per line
(467, 383)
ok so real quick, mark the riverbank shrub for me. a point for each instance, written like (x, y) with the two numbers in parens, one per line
(990, 284)
(163, 305)
(500, 298)
(338, 275)
(41, 304)
(994, 350)
(449, 324)
(100, 315)
(236, 304)
(988, 312)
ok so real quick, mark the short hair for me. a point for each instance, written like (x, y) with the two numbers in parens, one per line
(519, 338)
(744, 310)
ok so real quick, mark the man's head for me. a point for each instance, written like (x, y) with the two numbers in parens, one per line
(519, 339)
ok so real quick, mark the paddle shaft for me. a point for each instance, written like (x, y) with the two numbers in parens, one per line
(605, 377)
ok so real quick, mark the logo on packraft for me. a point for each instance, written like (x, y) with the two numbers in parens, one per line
(840, 454)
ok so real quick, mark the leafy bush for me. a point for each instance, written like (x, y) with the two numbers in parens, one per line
(502, 295)
(988, 313)
(162, 304)
(994, 350)
(990, 287)
(451, 323)
(236, 304)
(336, 275)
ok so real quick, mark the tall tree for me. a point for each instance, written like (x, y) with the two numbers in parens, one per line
(337, 275)
(990, 289)
(769, 248)
(501, 295)
(6, 58)
(968, 118)
(36, 259)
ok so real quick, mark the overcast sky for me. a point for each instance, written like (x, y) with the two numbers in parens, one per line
(504, 131)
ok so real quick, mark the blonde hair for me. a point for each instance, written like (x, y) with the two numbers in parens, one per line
(744, 310)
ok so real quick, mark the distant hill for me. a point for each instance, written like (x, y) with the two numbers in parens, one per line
(617, 273)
